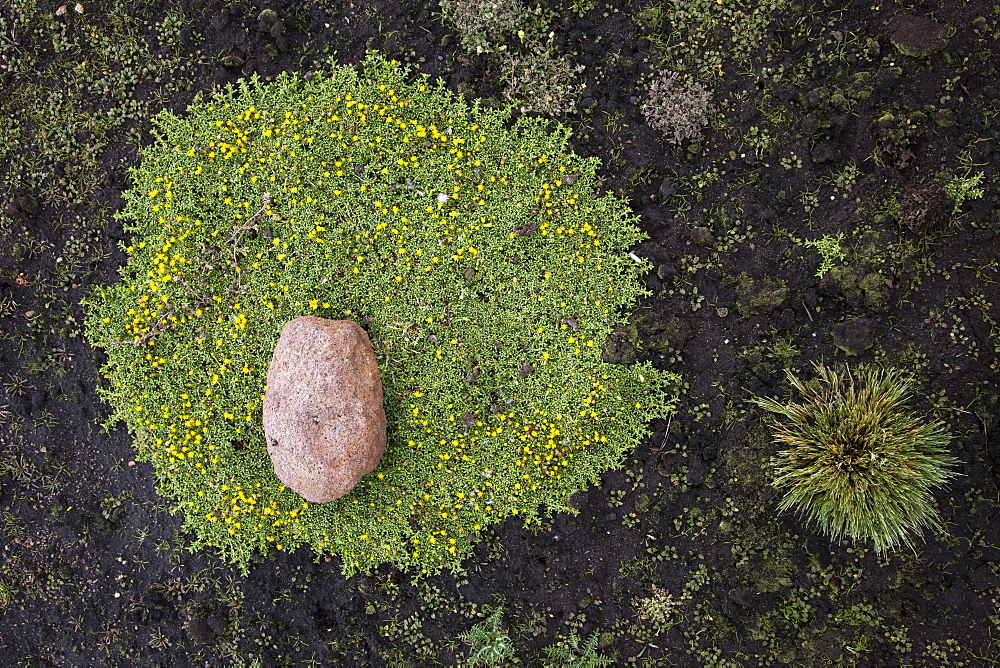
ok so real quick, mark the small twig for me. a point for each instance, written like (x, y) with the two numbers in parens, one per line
(260, 213)
(666, 435)
(986, 435)
(237, 234)
(807, 311)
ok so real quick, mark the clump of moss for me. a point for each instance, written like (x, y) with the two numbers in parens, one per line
(473, 248)
(758, 293)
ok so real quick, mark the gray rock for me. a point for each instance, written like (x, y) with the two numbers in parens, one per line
(825, 152)
(199, 631)
(323, 415)
(665, 271)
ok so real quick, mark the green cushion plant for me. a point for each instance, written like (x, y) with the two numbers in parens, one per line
(858, 462)
(474, 249)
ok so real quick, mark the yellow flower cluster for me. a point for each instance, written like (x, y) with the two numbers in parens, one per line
(479, 259)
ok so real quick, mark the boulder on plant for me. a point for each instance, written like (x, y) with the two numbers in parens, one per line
(323, 417)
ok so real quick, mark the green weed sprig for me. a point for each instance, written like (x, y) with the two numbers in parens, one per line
(829, 248)
(488, 643)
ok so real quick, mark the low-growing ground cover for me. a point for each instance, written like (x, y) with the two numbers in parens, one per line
(839, 208)
(477, 257)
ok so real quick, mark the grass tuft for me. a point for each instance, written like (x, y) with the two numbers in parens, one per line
(857, 461)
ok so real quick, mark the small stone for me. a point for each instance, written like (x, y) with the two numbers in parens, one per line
(701, 236)
(18, 404)
(810, 124)
(23, 206)
(839, 101)
(78, 8)
(917, 36)
(854, 336)
(525, 230)
(199, 631)
(956, 597)
(944, 118)
(668, 187)
(743, 596)
(267, 18)
(323, 416)
(220, 20)
(62, 10)
(825, 152)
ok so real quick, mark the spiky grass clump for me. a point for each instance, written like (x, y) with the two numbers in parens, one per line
(857, 461)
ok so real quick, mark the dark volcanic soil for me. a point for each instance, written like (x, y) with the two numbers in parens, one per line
(834, 121)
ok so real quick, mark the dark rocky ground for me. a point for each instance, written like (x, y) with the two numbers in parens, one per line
(823, 126)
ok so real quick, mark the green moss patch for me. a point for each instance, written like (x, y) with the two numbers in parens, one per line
(473, 248)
